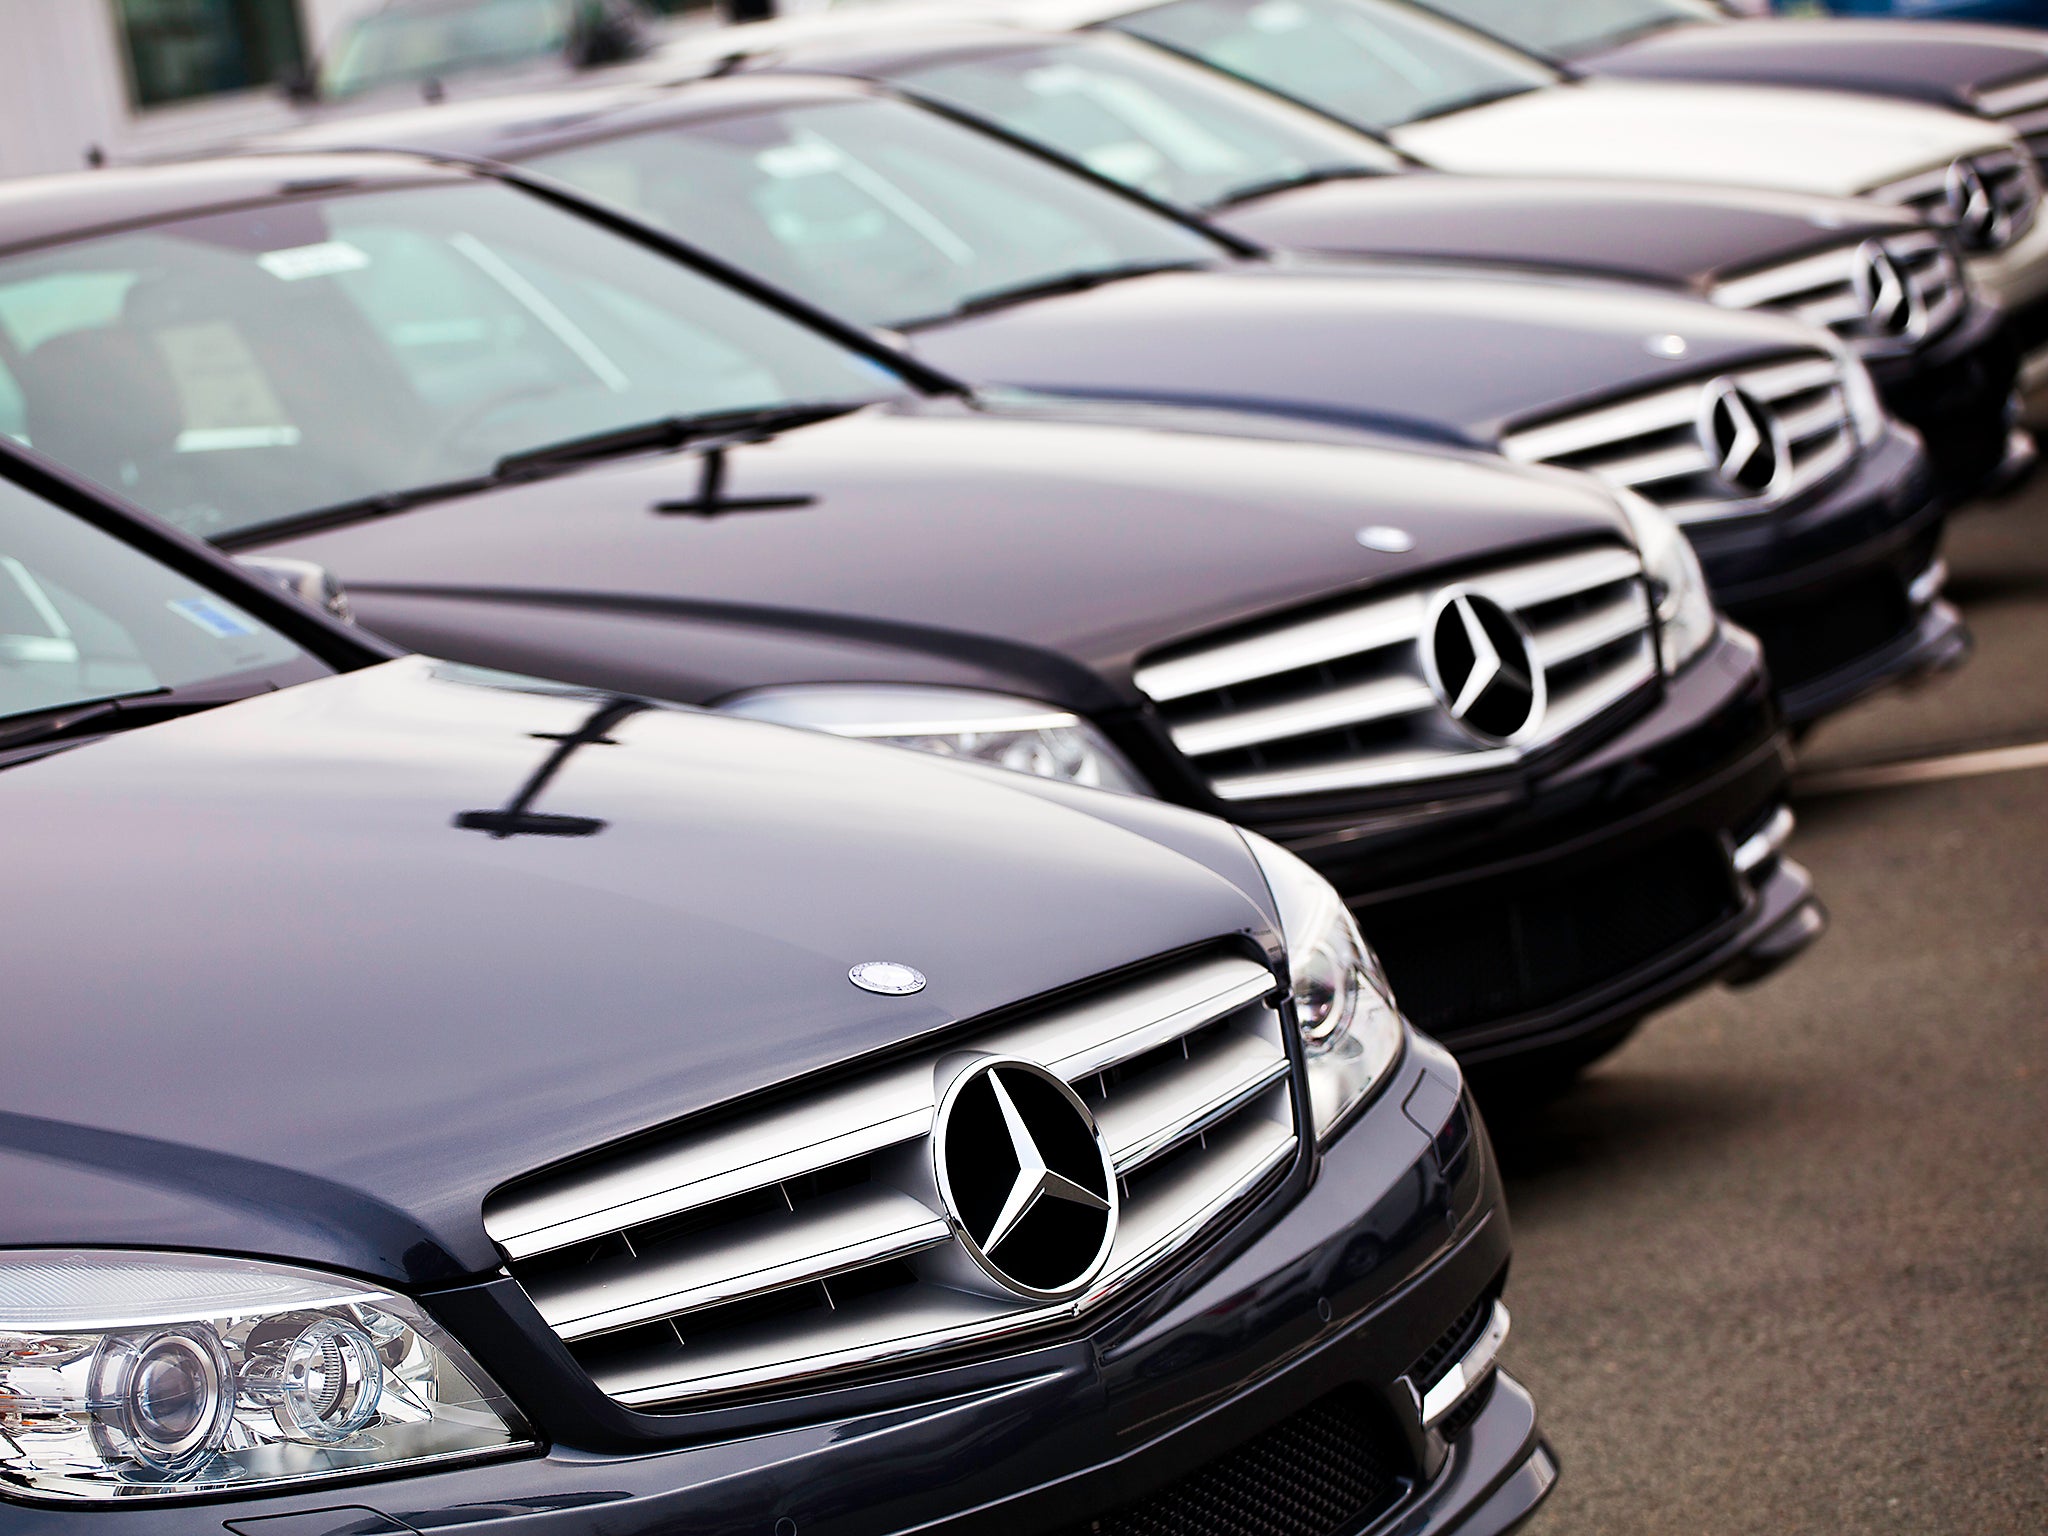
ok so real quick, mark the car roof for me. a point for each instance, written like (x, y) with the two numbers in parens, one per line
(36, 210)
(509, 128)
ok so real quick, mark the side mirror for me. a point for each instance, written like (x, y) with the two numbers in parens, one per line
(606, 32)
(313, 585)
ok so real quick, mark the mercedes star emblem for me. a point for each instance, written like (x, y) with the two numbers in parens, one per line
(887, 978)
(1889, 302)
(1742, 440)
(1482, 666)
(1026, 1178)
(1970, 203)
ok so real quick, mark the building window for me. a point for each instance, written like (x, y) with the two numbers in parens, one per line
(178, 50)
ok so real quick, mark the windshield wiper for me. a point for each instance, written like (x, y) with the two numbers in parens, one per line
(1066, 282)
(1312, 178)
(104, 716)
(665, 432)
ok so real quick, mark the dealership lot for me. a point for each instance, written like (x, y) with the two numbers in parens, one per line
(1781, 1263)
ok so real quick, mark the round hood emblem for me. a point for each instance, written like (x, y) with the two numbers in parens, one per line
(1482, 666)
(1742, 440)
(1978, 217)
(887, 978)
(1890, 306)
(1026, 1178)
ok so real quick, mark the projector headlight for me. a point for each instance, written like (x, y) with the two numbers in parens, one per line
(139, 1375)
(1019, 734)
(1351, 1030)
(1686, 618)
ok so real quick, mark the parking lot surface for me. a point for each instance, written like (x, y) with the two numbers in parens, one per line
(1782, 1262)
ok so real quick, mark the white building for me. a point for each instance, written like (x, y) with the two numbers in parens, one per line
(146, 76)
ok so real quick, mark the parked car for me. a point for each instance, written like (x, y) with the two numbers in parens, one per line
(1275, 174)
(1815, 516)
(1461, 102)
(402, 1058)
(415, 46)
(1494, 704)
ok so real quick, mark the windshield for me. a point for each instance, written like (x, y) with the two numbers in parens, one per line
(1562, 28)
(1374, 64)
(425, 42)
(878, 210)
(85, 617)
(239, 368)
(1178, 133)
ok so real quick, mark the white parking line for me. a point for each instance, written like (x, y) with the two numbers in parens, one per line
(1924, 770)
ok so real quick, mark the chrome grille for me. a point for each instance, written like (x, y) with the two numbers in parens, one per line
(1849, 291)
(805, 1239)
(2012, 179)
(1659, 445)
(2022, 105)
(1342, 701)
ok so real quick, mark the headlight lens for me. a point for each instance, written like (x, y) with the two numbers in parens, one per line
(1019, 734)
(1866, 406)
(1686, 618)
(1351, 1030)
(136, 1375)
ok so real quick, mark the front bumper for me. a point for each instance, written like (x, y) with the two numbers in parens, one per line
(1956, 393)
(1594, 894)
(1844, 592)
(1342, 1297)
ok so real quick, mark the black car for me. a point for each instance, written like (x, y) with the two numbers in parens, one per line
(1279, 176)
(1495, 706)
(404, 1062)
(1816, 517)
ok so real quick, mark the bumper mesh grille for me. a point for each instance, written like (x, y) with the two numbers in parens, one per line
(1476, 961)
(1808, 641)
(1323, 1472)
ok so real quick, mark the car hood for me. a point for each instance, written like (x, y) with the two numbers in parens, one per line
(1941, 63)
(1042, 553)
(271, 996)
(1437, 353)
(1683, 237)
(1803, 141)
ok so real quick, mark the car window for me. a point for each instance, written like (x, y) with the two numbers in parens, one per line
(1175, 132)
(1375, 64)
(85, 617)
(875, 209)
(421, 42)
(1560, 30)
(268, 361)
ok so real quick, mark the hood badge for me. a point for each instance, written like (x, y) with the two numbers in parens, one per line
(1387, 540)
(1667, 346)
(886, 977)
(1482, 667)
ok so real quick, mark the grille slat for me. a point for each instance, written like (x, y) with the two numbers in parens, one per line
(1656, 445)
(844, 1231)
(1824, 290)
(1285, 712)
(803, 1238)
(2010, 176)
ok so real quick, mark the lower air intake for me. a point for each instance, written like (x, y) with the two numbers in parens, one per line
(1324, 1472)
(1481, 961)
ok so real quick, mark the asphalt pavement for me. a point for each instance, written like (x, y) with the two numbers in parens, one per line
(1782, 1262)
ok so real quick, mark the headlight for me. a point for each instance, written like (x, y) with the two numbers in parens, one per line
(1685, 608)
(1866, 407)
(132, 1375)
(1350, 1028)
(1018, 734)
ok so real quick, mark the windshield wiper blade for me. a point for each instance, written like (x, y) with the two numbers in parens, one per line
(666, 432)
(1312, 178)
(104, 716)
(1066, 282)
